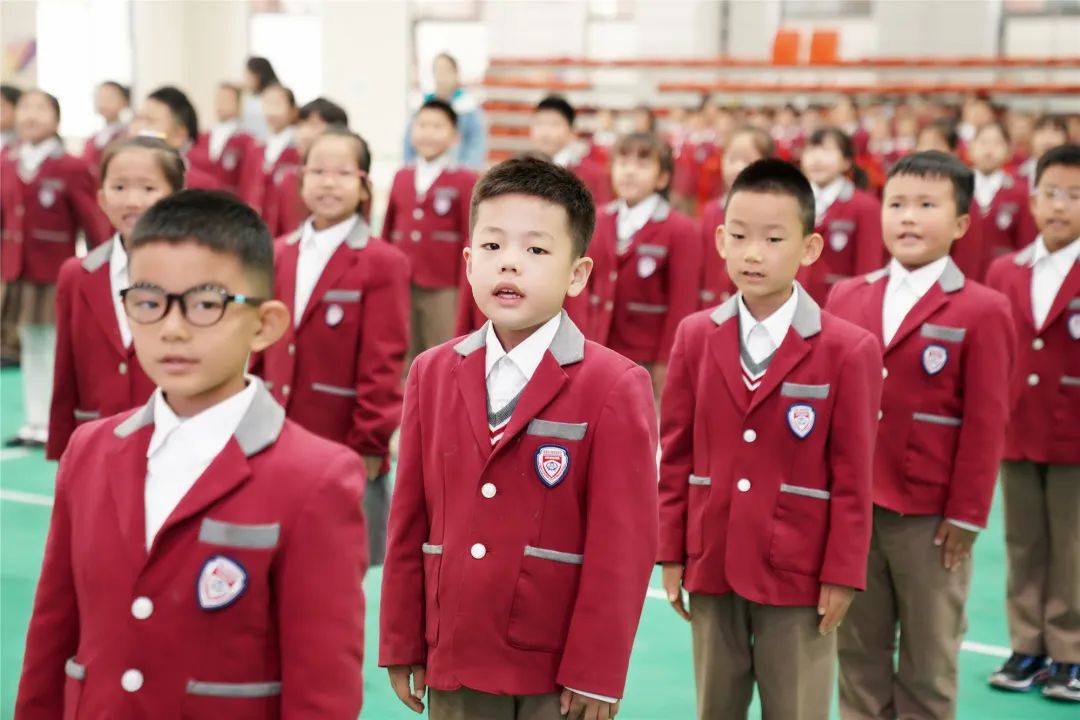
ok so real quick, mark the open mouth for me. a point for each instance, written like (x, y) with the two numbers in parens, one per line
(507, 292)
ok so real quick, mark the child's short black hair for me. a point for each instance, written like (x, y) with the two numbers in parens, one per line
(10, 93)
(937, 164)
(842, 139)
(329, 111)
(124, 90)
(1067, 155)
(777, 177)
(557, 104)
(180, 107)
(547, 181)
(214, 220)
(440, 106)
(946, 130)
(1052, 122)
(263, 71)
(647, 145)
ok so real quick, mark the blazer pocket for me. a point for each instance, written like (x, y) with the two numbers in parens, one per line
(559, 430)
(335, 390)
(544, 597)
(800, 529)
(432, 570)
(236, 701)
(698, 498)
(236, 535)
(942, 332)
(931, 448)
(73, 686)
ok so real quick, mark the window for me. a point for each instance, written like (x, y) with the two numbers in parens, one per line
(824, 9)
(277, 36)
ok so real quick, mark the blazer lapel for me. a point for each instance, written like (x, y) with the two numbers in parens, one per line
(128, 482)
(286, 273)
(805, 324)
(471, 385)
(724, 346)
(1070, 287)
(96, 292)
(874, 306)
(937, 296)
(340, 262)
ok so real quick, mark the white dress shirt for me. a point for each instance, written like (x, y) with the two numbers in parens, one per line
(316, 249)
(181, 449)
(32, 156)
(508, 373)
(118, 280)
(219, 137)
(904, 289)
(275, 145)
(428, 171)
(1048, 272)
(631, 219)
(761, 338)
(824, 197)
(986, 187)
(105, 135)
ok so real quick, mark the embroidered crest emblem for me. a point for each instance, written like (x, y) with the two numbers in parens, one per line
(552, 464)
(228, 161)
(1004, 220)
(46, 196)
(221, 583)
(1074, 326)
(441, 203)
(838, 241)
(934, 358)
(334, 315)
(800, 418)
(646, 266)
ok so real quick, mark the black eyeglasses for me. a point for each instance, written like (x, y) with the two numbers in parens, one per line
(200, 306)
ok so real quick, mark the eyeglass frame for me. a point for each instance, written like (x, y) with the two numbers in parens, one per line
(178, 298)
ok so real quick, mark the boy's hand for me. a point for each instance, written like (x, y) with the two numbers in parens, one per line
(579, 707)
(833, 604)
(399, 680)
(957, 542)
(373, 465)
(671, 576)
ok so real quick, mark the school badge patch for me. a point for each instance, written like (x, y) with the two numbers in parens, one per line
(334, 315)
(221, 583)
(934, 358)
(1004, 220)
(800, 418)
(646, 266)
(552, 464)
(838, 241)
(228, 161)
(46, 196)
(1074, 326)
(441, 203)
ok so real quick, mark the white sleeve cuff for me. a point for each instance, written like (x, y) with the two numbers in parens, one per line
(965, 526)
(594, 696)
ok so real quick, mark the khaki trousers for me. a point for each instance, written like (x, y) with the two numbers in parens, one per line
(466, 704)
(431, 318)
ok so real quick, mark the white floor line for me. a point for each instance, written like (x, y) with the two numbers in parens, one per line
(968, 645)
(15, 453)
(26, 498)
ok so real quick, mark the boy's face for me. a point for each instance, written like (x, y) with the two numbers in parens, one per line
(989, 150)
(763, 242)
(227, 104)
(635, 176)
(155, 117)
(35, 118)
(279, 113)
(550, 132)
(432, 134)
(521, 262)
(109, 102)
(823, 163)
(198, 367)
(919, 219)
(1046, 138)
(1056, 205)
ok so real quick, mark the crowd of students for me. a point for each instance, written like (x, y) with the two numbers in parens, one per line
(844, 330)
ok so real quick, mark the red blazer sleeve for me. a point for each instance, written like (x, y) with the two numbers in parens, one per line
(852, 435)
(987, 370)
(65, 394)
(85, 208)
(381, 361)
(320, 598)
(401, 614)
(252, 183)
(870, 249)
(677, 407)
(620, 541)
(53, 636)
(684, 281)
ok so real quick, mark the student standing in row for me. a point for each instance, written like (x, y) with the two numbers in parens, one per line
(167, 113)
(552, 133)
(229, 153)
(112, 101)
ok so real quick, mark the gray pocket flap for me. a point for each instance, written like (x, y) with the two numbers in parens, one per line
(431, 549)
(941, 332)
(234, 690)
(74, 670)
(252, 537)
(1074, 304)
(556, 555)
(805, 491)
(795, 390)
(342, 296)
(87, 414)
(652, 250)
(561, 430)
(333, 390)
(936, 419)
(700, 480)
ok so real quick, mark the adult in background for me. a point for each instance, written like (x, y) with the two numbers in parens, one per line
(258, 75)
(471, 150)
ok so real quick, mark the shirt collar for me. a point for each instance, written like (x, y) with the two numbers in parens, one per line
(776, 324)
(329, 238)
(995, 178)
(1063, 259)
(210, 423)
(639, 215)
(569, 155)
(919, 280)
(118, 260)
(439, 163)
(34, 155)
(827, 195)
(529, 352)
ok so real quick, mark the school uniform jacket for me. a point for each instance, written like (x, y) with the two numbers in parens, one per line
(1007, 224)
(771, 498)
(969, 250)
(275, 190)
(1045, 422)
(595, 178)
(95, 376)
(283, 209)
(339, 372)
(716, 284)
(431, 228)
(498, 580)
(42, 217)
(945, 402)
(851, 228)
(92, 151)
(238, 168)
(638, 298)
(119, 632)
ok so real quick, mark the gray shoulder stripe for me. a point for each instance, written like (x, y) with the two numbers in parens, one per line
(251, 537)
(83, 415)
(555, 555)
(795, 390)
(342, 296)
(700, 480)
(561, 430)
(1071, 381)
(74, 670)
(431, 549)
(941, 332)
(805, 491)
(937, 419)
(234, 690)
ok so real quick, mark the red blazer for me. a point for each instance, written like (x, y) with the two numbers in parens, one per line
(339, 373)
(42, 217)
(1045, 422)
(278, 502)
(284, 210)
(1007, 224)
(432, 228)
(95, 376)
(748, 504)
(595, 177)
(638, 299)
(716, 284)
(496, 579)
(275, 190)
(92, 152)
(851, 228)
(946, 398)
(201, 179)
(969, 252)
(238, 168)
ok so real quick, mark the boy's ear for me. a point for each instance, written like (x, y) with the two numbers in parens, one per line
(663, 181)
(274, 320)
(579, 276)
(720, 241)
(813, 244)
(466, 252)
(963, 222)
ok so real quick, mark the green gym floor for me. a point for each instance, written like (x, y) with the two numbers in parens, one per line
(660, 685)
